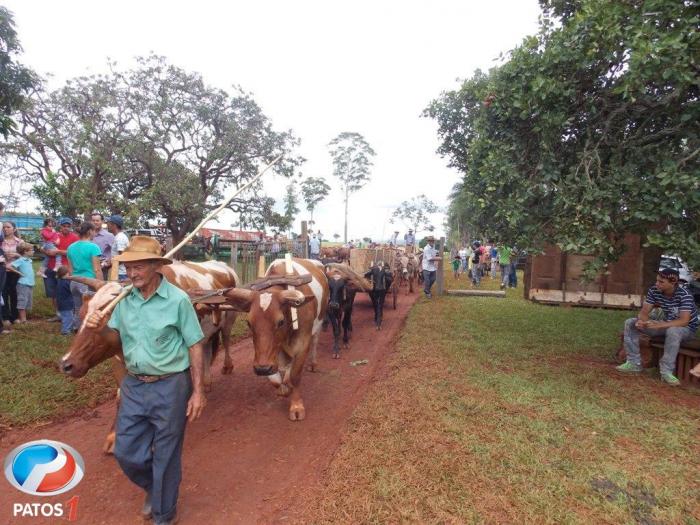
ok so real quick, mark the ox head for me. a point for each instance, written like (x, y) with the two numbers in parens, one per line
(270, 321)
(89, 348)
(336, 288)
(403, 263)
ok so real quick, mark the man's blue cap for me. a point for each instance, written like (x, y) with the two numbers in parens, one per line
(116, 219)
(64, 220)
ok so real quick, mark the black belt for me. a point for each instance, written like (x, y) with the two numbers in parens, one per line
(145, 378)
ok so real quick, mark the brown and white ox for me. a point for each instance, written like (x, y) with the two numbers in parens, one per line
(89, 347)
(281, 349)
(407, 270)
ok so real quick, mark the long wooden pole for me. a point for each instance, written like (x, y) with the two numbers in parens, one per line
(125, 291)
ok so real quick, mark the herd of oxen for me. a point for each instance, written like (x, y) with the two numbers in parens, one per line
(285, 312)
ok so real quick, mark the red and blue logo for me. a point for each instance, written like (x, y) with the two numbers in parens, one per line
(44, 468)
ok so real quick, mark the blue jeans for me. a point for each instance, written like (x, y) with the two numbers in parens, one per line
(673, 337)
(77, 290)
(50, 284)
(476, 274)
(513, 278)
(66, 321)
(150, 432)
(505, 275)
(428, 280)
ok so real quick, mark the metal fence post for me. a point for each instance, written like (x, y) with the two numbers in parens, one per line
(234, 256)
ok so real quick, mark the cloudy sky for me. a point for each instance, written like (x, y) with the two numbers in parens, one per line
(317, 67)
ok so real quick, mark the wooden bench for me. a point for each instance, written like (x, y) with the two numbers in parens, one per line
(652, 348)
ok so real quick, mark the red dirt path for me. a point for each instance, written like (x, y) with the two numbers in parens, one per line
(244, 461)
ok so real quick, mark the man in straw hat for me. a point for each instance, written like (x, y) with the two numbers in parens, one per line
(680, 325)
(163, 354)
(430, 260)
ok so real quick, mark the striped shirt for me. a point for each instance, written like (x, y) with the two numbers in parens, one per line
(680, 301)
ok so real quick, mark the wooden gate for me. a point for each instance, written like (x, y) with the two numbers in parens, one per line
(245, 256)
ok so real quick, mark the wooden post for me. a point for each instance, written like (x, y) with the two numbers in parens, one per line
(440, 280)
(261, 266)
(305, 239)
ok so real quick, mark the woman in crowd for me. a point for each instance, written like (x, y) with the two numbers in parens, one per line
(10, 242)
(83, 261)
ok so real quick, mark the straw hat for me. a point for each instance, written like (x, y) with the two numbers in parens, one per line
(142, 248)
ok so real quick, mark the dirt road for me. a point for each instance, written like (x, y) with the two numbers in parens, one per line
(244, 461)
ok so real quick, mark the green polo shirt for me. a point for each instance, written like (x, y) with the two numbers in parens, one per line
(504, 255)
(156, 333)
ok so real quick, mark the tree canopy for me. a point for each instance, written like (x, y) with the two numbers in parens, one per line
(152, 142)
(291, 201)
(16, 80)
(313, 191)
(352, 161)
(586, 131)
(415, 213)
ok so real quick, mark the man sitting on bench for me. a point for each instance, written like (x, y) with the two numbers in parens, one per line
(680, 325)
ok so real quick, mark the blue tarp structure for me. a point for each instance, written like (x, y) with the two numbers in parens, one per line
(24, 220)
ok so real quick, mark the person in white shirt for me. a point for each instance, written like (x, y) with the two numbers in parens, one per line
(394, 239)
(430, 262)
(463, 257)
(314, 247)
(115, 224)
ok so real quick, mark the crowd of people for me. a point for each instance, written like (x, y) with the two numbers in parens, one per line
(81, 249)
(489, 259)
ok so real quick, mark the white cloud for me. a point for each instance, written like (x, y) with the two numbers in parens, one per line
(317, 67)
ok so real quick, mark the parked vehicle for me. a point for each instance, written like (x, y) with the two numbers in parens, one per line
(685, 274)
(674, 262)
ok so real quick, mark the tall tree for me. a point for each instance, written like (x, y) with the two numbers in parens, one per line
(16, 80)
(589, 130)
(313, 191)
(153, 141)
(352, 160)
(291, 201)
(415, 213)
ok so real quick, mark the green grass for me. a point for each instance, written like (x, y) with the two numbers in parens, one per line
(32, 390)
(501, 410)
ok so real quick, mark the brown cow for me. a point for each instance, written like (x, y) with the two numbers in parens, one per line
(281, 345)
(89, 347)
(335, 254)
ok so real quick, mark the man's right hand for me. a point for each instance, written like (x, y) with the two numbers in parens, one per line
(641, 324)
(95, 319)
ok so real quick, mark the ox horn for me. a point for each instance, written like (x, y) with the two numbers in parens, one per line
(240, 298)
(95, 284)
(294, 297)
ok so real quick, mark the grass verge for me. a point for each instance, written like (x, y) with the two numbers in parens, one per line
(32, 390)
(500, 410)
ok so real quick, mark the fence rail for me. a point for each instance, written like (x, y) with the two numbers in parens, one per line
(245, 257)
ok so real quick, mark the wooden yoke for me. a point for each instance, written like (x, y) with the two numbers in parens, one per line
(289, 271)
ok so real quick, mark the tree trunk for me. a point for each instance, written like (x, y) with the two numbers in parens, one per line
(347, 193)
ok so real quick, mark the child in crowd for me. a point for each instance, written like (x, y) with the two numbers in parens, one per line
(49, 237)
(25, 285)
(456, 261)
